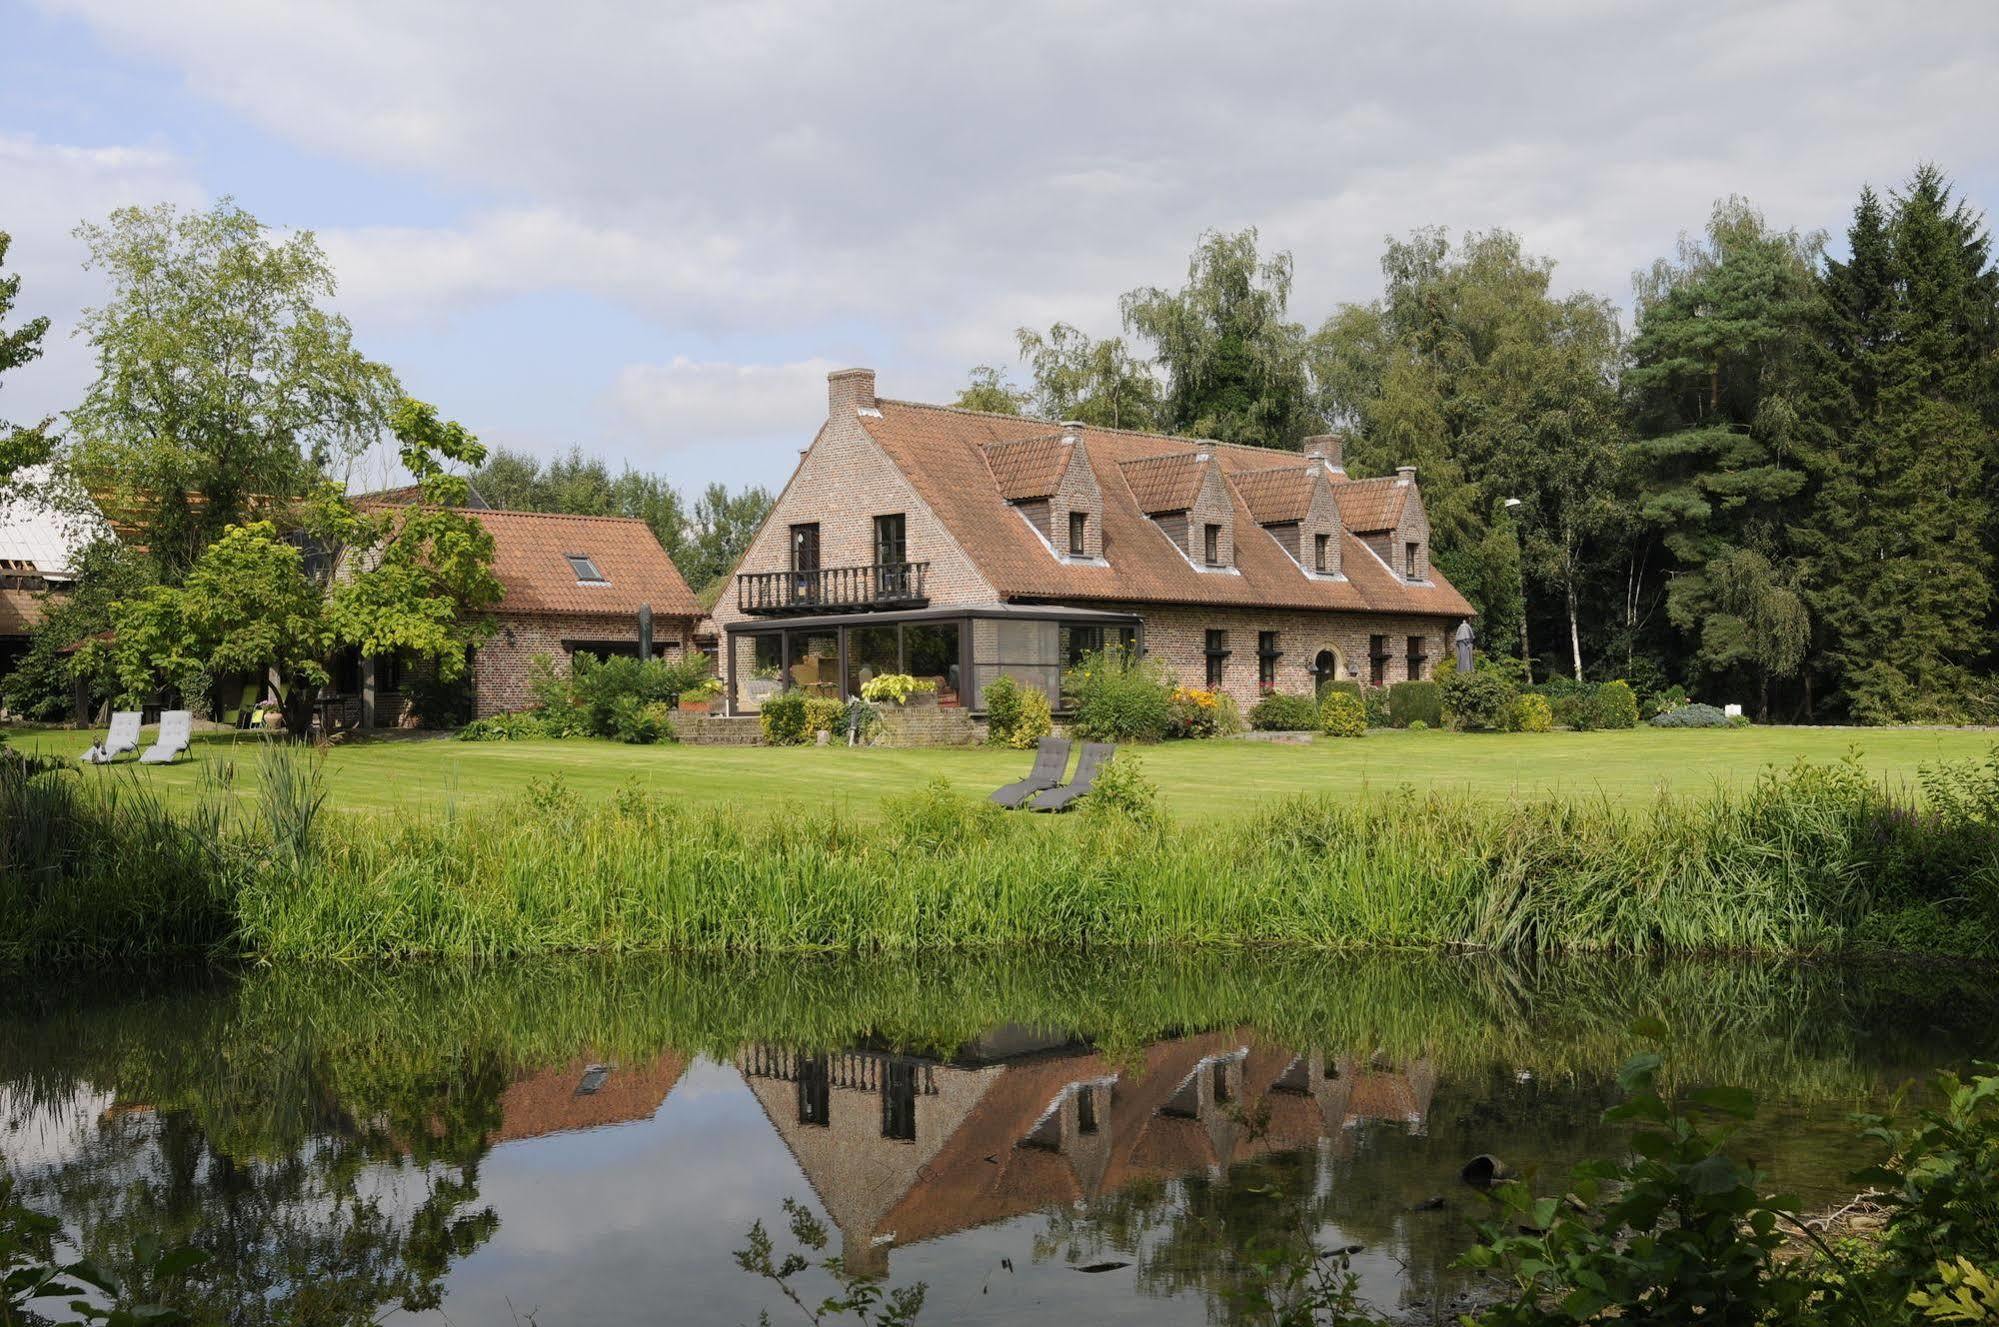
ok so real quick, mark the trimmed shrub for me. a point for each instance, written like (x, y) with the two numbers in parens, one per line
(1532, 714)
(1374, 704)
(1738, 721)
(1119, 698)
(1616, 705)
(1345, 688)
(1480, 701)
(1693, 715)
(1016, 716)
(783, 720)
(1412, 701)
(1279, 713)
(824, 714)
(1651, 704)
(519, 726)
(1418, 726)
(642, 722)
(1341, 715)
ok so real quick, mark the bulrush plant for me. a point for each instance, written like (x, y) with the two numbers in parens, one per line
(1819, 858)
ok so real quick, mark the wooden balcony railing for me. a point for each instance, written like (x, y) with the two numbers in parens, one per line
(860, 1071)
(833, 589)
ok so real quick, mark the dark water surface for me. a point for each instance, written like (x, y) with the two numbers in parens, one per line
(590, 1142)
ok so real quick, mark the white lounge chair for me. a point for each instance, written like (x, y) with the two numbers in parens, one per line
(123, 737)
(176, 728)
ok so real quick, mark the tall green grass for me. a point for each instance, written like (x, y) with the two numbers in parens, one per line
(1814, 860)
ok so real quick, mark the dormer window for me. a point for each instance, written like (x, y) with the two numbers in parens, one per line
(586, 570)
(1212, 545)
(1321, 545)
(1079, 532)
(1410, 554)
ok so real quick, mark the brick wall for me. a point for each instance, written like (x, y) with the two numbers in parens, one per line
(1177, 637)
(842, 483)
(503, 667)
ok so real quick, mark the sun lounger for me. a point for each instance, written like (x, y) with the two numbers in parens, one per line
(176, 728)
(1051, 758)
(1093, 758)
(123, 737)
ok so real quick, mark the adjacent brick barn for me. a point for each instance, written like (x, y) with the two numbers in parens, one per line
(574, 584)
(959, 546)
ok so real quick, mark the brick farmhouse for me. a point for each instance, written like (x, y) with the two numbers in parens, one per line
(960, 546)
(572, 585)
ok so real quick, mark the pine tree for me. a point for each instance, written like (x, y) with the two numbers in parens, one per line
(1905, 519)
(1727, 407)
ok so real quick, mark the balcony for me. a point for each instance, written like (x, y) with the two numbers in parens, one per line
(858, 589)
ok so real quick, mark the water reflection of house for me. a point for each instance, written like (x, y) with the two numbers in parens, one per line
(902, 1149)
(585, 1094)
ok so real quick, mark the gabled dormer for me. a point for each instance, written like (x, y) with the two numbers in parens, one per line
(1051, 483)
(1186, 496)
(1295, 506)
(1387, 515)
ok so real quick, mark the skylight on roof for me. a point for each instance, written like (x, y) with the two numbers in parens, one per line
(586, 570)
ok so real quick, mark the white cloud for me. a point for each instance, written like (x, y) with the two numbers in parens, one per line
(49, 188)
(763, 181)
(686, 402)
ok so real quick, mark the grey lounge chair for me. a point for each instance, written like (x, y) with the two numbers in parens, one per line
(176, 728)
(1093, 758)
(123, 737)
(1051, 758)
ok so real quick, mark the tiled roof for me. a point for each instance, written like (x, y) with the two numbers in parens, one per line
(942, 451)
(548, 1100)
(528, 557)
(1165, 483)
(1368, 506)
(1030, 468)
(1276, 496)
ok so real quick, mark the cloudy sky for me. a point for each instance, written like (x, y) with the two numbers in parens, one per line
(650, 228)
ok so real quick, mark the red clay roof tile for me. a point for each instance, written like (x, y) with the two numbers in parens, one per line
(942, 450)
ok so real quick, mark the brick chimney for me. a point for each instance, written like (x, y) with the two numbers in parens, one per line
(849, 391)
(1405, 475)
(1329, 448)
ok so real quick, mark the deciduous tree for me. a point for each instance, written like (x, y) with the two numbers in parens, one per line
(224, 384)
(1234, 362)
(21, 445)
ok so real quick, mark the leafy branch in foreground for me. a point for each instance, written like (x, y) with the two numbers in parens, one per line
(860, 1297)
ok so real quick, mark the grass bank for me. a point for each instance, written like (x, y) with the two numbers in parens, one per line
(1820, 858)
(1197, 780)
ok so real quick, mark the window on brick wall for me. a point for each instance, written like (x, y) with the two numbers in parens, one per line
(1267, 655)
(1419, 655)
(1079, 531)
(1321, 545)
(1218, 656)
(1211, 546)
(1410, 554)
(1377, 660)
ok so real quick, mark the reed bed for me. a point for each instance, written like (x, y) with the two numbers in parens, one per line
(1817, 859)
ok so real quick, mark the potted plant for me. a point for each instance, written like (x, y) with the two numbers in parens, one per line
(701, 698)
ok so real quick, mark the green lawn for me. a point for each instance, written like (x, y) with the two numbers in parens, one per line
(1196, 777)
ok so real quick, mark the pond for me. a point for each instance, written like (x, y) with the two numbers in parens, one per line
(1126, 1139)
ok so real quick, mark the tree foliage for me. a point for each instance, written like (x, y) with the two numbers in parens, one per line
(224, 385)
(1233, 360)
(705, 539)
(25, 444)
(1091, 381)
